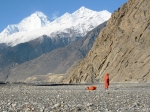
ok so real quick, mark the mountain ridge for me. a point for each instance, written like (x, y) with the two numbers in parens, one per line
(34, 21)
(55, 62)
(80, 22)
(16, 53)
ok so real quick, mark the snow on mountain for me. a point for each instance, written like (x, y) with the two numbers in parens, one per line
(36, 25)
(33, 22)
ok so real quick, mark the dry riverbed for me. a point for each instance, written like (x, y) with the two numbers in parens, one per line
(133, 97)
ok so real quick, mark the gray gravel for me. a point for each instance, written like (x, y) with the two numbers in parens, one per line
(74, 98)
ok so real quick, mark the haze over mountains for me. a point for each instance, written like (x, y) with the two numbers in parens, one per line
(36, 35)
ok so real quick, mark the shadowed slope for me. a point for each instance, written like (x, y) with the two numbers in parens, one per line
(57, 61)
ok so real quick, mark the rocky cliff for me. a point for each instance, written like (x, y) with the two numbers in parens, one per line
(122, 48)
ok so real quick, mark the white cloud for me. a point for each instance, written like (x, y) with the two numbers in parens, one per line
(55, 15)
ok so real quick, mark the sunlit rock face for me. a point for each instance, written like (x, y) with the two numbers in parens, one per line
(122, 49)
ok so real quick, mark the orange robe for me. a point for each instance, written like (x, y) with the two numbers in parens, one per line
(91, 88)
(106, 80)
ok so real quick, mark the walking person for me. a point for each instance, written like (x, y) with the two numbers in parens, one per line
(106, 80)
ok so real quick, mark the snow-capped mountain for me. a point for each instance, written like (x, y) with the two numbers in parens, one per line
(36, 25)
(33, 22)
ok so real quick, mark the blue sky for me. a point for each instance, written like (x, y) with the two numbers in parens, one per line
(13, 11)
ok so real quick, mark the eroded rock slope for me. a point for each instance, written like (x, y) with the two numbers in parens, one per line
(122, 49)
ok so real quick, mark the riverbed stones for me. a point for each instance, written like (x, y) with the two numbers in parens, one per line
(74, 98)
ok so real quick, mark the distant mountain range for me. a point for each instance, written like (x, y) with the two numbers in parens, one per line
(57, 61)
(36, 25)
(36, 36)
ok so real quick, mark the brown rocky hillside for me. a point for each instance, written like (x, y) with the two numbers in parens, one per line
(122, 48)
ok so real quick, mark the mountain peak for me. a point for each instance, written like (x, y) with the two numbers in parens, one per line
(83, 8)
(31, 27)
(34, 21)
(82, 11)
(39, 14)
(104, 12)
(66, 14)
(128, 45)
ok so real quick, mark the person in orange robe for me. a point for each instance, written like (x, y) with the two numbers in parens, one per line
(91, 88)
(106, 80)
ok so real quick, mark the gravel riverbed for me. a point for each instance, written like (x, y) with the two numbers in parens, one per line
(133, 97)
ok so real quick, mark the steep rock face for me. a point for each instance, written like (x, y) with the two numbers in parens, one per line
(122, 49)
(56, 61)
